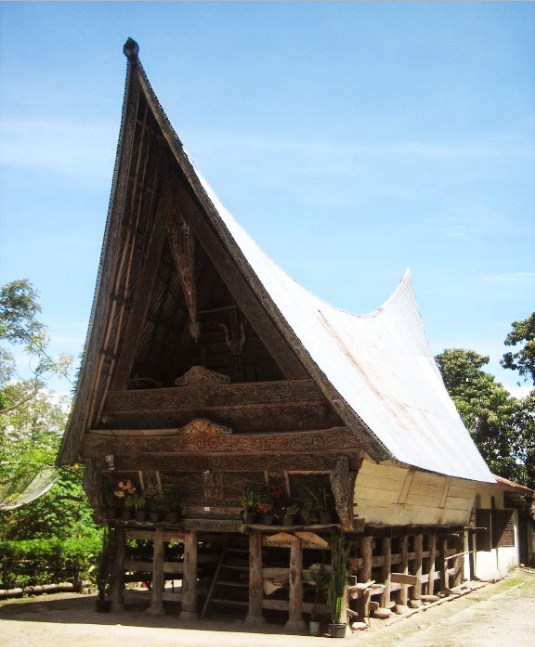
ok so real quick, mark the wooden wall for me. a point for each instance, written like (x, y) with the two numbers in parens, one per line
(387, 494)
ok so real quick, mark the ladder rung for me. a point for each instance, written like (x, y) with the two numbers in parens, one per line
(233, 603)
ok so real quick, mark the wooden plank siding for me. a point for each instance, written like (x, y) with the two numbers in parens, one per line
(394, 495)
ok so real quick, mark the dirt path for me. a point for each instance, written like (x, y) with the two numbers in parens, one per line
(501, 614)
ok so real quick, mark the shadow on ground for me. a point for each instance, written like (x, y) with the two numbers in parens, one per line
(73, 608)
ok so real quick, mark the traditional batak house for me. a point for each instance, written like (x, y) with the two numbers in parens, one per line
(212, 381)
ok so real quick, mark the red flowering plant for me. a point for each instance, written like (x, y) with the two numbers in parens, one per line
(280, 501)
(265, 507)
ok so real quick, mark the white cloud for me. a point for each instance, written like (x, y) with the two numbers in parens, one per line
(511, 278)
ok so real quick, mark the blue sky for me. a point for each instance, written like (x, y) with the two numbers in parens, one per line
(351, 140)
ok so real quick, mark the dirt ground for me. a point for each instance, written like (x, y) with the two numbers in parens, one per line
(501, 614)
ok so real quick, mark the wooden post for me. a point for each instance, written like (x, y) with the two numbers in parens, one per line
(365, 573)
(459, 560)
(416, 591)
(386, 571)
(254, 613)
(117, 571)
(295, 610)
(430, 589)
(402, 594)
(189, 578)
(472, 546)
(158, 576)
(442, 552)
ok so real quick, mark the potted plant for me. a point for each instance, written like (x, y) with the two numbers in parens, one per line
(321, 506)
(124, 493)
(155, 508)
(170, 503)
(136, 502)
(310, 513)
(266, 511)
(290, 514)
(249, 500)
(102, 572)
(336, 596)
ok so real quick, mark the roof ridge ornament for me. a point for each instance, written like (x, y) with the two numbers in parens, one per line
(131, 49)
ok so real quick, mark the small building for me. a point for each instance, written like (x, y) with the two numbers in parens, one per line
(210, 376)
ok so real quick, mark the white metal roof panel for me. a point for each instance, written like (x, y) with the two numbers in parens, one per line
(380, 364)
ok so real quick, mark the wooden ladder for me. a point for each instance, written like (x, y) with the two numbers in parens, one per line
(230, 584)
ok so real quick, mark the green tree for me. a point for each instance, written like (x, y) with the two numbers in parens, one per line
(19, 326)
(494, 418)
(523, 361)
(32, 421)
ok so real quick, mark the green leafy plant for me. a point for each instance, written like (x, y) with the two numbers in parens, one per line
(338, 580)
(251, 498)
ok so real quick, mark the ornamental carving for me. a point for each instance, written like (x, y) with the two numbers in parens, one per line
(343, 487)
(198, 375)
(203, 426)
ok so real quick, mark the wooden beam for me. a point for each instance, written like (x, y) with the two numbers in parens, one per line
(202, 393)
(254, 612)
(234, 463)
(403, 578)
(193, 439)
(142, 289)
(343, 487)
(189, 580)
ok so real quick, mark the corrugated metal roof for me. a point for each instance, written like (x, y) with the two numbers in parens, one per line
(381, 365)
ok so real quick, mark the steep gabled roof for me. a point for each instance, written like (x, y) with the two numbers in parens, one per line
(377, 370)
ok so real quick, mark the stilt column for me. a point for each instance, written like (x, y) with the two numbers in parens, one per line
(189, 579)
(295, 609)
(386, 572)
(416, 591)
(254, 614)
(158, 576)
(117, 571)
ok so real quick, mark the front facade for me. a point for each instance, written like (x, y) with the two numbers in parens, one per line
(209, 377)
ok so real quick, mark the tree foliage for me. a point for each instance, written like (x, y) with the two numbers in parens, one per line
(523, 361)
(32, 421)
(502, 426)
